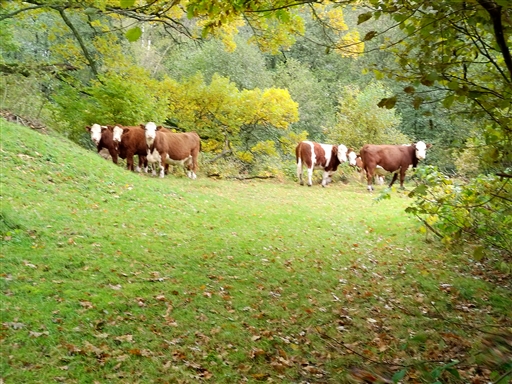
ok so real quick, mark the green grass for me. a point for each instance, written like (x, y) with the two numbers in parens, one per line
(112, 276)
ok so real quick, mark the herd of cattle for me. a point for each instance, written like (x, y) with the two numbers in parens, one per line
(154, 145)
(159, 147)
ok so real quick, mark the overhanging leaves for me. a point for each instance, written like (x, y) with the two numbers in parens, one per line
(364, 17)
(387, 102)
(127, 3)
(133, 34)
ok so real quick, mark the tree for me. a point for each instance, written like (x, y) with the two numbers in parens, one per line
(359, 121)
(315, 109)
(460, 51)
(228, 120)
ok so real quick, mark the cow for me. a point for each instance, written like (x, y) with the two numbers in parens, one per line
(379, 171)
(102, 137)
(392, 158)
(319, 156)
(131, 141)
(173, 148)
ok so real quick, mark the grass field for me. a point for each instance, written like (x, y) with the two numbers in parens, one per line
(116, 277)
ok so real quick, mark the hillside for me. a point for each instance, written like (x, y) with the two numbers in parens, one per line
(113, 276)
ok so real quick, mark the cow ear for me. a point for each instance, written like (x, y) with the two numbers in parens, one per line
(126, 130)
(142, 126)
(88, 128)
(429, 145)
(159, 127)
(335, 149)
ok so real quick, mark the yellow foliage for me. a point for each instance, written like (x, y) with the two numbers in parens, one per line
(267, 147)
(70, 52)
(290, 141)
(333, 16)
(246, 157)
(272, 35)
(219, 110)
(278, 108)
(211, 146)
(226, 32)
(350, 45)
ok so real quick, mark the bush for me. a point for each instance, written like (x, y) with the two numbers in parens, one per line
(478, 212)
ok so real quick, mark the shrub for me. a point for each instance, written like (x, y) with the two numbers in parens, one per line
(478, 212)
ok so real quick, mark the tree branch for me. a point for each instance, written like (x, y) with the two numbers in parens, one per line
(12, 14)
(81, 42)
(494, 11)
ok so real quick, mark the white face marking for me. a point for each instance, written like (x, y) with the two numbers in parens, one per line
(150, 133)
(352, 158)
(118, 131)
(342, 153)
(96, 133)
(421, 150)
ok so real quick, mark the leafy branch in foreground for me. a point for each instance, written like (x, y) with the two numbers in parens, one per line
(478, 213)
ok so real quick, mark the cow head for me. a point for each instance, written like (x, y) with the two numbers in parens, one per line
(150, 129)
(117, 132)
(342, 153)
(421, 149)
(95, 130)
(352, 156)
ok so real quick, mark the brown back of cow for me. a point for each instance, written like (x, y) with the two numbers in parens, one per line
(392, 158)
(133, 142)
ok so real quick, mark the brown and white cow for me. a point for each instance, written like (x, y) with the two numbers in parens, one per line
(392, 158)
(173, 148)
(379, 171)
(319, 156)
(102, 137)
(131, 141)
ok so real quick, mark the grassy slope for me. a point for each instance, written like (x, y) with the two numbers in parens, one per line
(116, 276)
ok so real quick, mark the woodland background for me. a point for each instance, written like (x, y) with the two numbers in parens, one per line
(254, 78)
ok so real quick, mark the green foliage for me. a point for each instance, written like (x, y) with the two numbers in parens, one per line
(460, 49)
(245, 66)
(128, 98)
(360, 121)
(315, 110)
(7, 42)
(477, 213)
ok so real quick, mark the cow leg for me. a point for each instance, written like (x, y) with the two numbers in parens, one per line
(113, 154)
(141, 162)
(369, 178)
(299, 172)
(189, 168)
(395, 176)
(402, 177)
(163, 163)
(129, 162)
(310, 177)
(194, 165)
(326, 178)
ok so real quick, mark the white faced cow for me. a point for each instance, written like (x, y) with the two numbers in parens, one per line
(102, 137)
(173, 148)
(392, 158)
(131, 141)
(319, 156)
